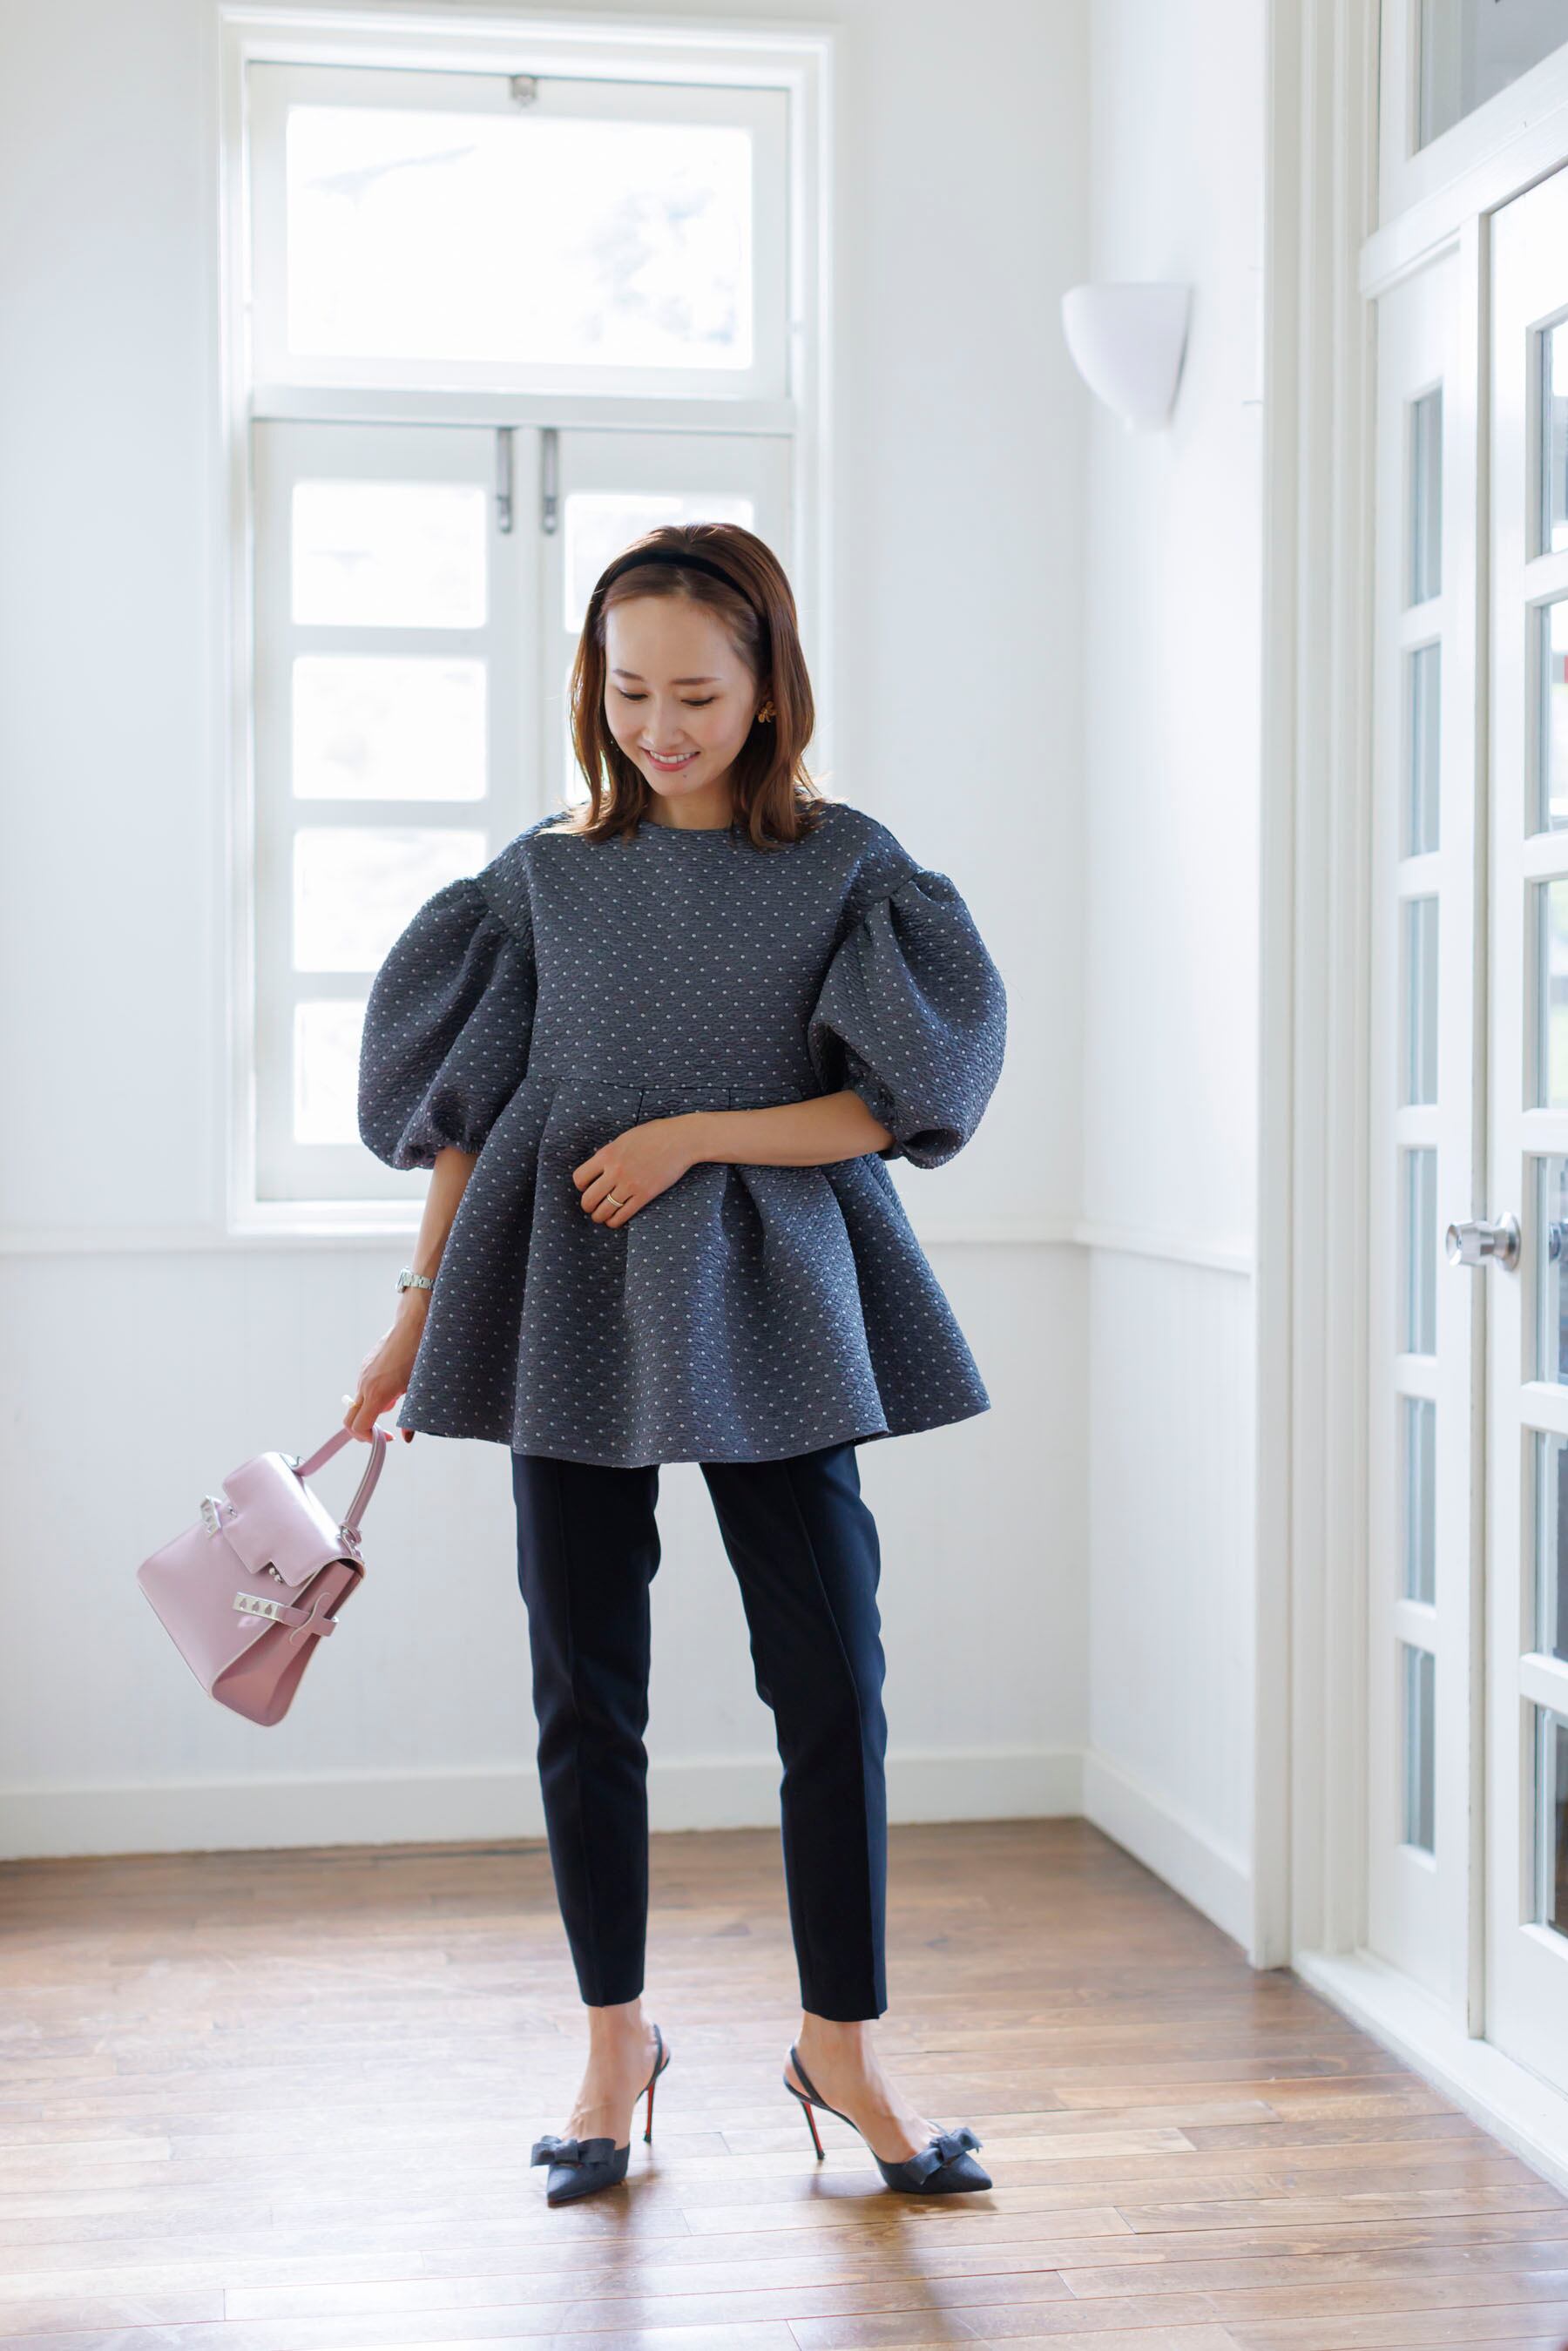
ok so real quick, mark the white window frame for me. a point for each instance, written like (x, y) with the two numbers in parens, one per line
(1423, 1908)
(272, 89)
(283, 456)
(1415, 183)
(792, 404)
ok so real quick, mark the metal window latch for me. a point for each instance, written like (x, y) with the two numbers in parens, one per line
(1478, 1241)
(550, 480)
(503, 484)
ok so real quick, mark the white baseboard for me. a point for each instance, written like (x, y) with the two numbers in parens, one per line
(1178, 1848)
(1515, 2105)
(464, 1806)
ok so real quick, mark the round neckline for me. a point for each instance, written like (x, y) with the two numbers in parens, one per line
(689, 831)
(735, 830)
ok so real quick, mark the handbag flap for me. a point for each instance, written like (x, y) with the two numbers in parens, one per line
(278, 1522)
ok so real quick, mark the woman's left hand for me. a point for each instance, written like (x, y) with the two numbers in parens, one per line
(636, 1165)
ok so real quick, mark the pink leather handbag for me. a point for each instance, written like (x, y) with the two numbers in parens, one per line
(248, 1591)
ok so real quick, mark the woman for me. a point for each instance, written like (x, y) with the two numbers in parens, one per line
(656, 1055)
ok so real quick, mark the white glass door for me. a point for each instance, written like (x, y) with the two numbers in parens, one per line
(1527, 1306)
(1424, 1437)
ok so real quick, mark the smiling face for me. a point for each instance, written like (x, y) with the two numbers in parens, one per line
(678, 698)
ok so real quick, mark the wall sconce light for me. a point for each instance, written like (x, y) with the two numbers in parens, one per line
(1127, 343)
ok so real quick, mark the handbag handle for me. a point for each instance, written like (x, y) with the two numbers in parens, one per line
(367, 1486)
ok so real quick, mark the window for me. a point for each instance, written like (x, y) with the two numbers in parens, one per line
(498, 325)
(1470, 50)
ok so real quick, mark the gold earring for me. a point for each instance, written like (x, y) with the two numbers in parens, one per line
(765, 713)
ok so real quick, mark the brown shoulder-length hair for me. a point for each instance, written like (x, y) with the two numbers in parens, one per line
(775, 799)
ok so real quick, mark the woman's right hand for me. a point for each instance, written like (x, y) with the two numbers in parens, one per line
(385, 1372)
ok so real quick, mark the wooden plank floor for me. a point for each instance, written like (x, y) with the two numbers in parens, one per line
(284, 2101)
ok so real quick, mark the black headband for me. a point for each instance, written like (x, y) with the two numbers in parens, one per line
(666, 555)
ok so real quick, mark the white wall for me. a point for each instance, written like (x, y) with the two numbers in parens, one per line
(1172, 704)
(145, 1356)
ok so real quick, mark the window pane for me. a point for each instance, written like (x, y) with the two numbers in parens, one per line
(1552, 1231)
(1472, 48)
(1551, 1819)
(356, 888)
(327, 1072)
(600, 523)
(1551, 715)
(561, 242)
(1425, 688)
(1555, 439)
(1420, 1252)
(1551, 1635)
(390, 554)
(1419, 1423)
(1425, 496)
(1551, 994)
(379, 728)
(1420, 1670)
(1421, 1000)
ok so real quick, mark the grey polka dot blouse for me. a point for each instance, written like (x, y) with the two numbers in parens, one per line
(573, 988)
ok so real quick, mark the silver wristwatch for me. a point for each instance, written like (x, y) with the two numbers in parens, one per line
(407, 1279)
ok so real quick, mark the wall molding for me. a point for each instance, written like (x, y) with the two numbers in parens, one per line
(203, 1240)
(392, 1807)
(1179, 1849)
(1063, 1231)
(1176, 1248)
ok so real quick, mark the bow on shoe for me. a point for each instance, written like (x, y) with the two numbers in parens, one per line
(550, 2149)
(941, 2150)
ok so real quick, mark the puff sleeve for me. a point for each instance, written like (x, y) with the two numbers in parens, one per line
(448, 1029)
(912, 1016)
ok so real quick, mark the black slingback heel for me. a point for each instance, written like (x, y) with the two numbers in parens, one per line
(942, 2167)
(578, 2167)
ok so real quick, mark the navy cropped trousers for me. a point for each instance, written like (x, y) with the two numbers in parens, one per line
(803, 1544)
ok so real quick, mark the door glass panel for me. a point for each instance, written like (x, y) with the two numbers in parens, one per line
(1472, 48)
(1420, 1189)
(600, 523)
(1553, 439)
(1418, 1420)
(1551, 1819)
(354, 889)
(1421, 1000)
(1552, 1224)
(327, 1072)
(1426, 685)
(1426, 501)
(543, 239)
(389, 555)
(1551, 717)
(1419, 1675)
(1551, 1537)
(374, 727)
(1551, 994)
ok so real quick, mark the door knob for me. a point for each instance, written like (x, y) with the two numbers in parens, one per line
(1476, 1242)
